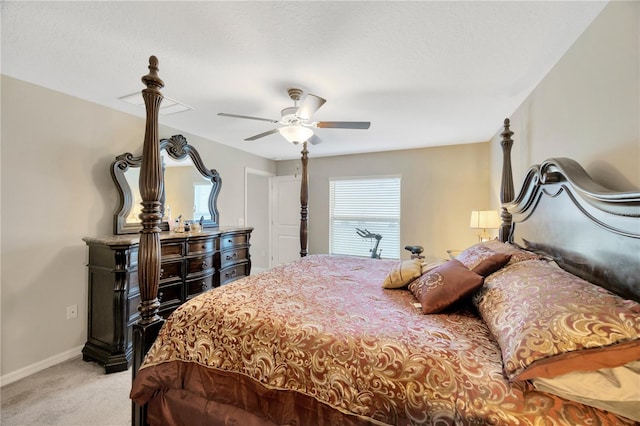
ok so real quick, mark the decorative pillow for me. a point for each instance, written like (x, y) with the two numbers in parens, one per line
(426, 267)
(444, 285)
(549, 322)
(612, 389)
(402, 274)
(491, 264)
(474, 255)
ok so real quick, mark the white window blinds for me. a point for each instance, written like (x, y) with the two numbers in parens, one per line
(201, 193)
(371, 203)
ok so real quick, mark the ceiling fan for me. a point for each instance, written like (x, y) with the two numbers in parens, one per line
(296, 121)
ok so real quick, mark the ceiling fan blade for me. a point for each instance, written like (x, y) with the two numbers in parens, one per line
(343, 124)
(224, 114)
(314, 140)
(310, 105)
(262, 135)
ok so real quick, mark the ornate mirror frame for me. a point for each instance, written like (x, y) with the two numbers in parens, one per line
(177, 148)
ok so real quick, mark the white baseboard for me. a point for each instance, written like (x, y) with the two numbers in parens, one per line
(40, 365)
(257, 270)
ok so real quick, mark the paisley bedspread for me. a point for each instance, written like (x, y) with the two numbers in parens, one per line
(319, 341)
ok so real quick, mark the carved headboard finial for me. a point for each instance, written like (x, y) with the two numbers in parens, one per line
(506, 187)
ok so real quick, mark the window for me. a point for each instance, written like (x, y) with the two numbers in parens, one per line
(371, 203)
(201, 193)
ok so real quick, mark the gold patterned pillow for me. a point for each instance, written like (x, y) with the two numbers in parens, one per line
(549, 322)
(443, 286)
(402, 274)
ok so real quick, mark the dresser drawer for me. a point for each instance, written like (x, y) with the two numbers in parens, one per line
(170, 271)
(196, 286)
(228, 241)
(133, 257)
(117, 259)
(230, 257)
(171, 250)
(202, 246)
(234, 272)
(170, 296)
(134, 287)
(133, 302)
(196, 265)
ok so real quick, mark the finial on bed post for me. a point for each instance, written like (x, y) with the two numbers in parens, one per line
(506, 186)
(304, 200)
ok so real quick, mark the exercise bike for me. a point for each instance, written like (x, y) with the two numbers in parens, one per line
(375, 253)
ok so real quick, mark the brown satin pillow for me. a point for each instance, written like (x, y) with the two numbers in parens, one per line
(443, 286)
(491, 264)
(549, 322)
(402, 274)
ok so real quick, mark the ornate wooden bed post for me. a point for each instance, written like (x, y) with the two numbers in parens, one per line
(506, 186)
(151, 189)
(304, 200)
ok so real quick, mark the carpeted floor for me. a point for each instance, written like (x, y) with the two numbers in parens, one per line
(73, 393)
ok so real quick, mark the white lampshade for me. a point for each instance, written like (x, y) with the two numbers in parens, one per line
(296, 133)
(484, 219)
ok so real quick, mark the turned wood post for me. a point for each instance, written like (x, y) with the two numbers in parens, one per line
(151, 191)
(151, 188)
(304, 200)
(506, 186)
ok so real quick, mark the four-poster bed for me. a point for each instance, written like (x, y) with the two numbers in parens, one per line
(319, 341)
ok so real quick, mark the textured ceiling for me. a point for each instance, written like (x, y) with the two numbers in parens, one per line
(424, 73)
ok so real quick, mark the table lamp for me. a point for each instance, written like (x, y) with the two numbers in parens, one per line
(484, 219)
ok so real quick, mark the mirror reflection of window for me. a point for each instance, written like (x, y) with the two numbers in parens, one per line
(180, 179)
(133, 176)
(201, 193)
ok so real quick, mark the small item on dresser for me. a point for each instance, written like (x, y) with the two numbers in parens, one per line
(179, 224)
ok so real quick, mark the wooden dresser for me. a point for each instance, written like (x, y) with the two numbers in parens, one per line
(191, 263)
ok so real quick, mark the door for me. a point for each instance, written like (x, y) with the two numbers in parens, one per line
(286, 219)
(258, 215)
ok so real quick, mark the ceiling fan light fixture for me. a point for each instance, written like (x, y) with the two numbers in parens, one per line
(296, 133)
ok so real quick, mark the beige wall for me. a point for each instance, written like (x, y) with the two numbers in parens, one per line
(587, 107)
(56, 189)
(440, 187)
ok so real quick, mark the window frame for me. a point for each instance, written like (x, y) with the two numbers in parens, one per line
(395, 251)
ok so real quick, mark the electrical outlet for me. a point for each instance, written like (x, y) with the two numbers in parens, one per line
(72, 311)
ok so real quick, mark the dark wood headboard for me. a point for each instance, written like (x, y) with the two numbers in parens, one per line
(588, 229)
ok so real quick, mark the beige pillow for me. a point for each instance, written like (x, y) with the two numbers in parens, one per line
(402, 274)
(426, 267)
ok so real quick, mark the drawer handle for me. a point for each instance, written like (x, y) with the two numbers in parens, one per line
(204, 264)
(232, 256)
(203, 285)
(161, 272)
(160, 297)
(230, 274)
(204, 246)
(229, 240)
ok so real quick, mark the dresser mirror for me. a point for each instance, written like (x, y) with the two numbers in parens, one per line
(190, 189)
